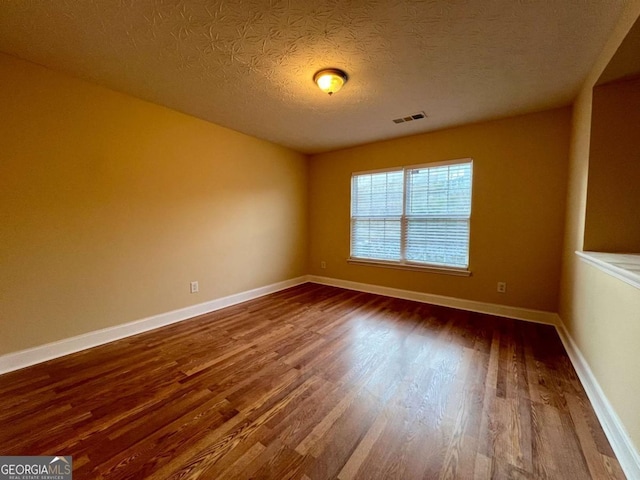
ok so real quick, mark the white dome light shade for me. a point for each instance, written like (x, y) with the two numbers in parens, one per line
(330, 80)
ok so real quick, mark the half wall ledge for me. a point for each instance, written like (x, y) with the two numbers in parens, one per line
(624, 266)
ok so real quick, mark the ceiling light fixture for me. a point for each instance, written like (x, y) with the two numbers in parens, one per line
(330, 80)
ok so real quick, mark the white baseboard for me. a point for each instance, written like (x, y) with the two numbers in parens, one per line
(42, 353)
(537, 316)
(614, 430)
(619, 439)
(620, 442)
(49, 351)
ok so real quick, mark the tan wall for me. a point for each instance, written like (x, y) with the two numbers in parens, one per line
(613, 193)
(605, 324)
(110, 206)
(600, 313)
(519, 191)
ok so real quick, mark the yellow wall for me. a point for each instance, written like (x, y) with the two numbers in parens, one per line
(613, 192)
(519, 191)
(110, 206)
(599, 311)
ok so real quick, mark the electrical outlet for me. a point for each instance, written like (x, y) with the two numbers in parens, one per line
(194, 288)
(323, 264)
(502, 287)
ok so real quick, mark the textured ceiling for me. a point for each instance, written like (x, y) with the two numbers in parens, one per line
(248, 64)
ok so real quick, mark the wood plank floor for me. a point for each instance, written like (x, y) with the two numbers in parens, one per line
(314, 382)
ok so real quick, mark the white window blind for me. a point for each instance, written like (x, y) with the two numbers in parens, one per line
(376, 225)
(416, 215)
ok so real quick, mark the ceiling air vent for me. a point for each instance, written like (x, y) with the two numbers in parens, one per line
(410, 118)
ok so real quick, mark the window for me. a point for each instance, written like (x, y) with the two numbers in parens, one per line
(413, 216)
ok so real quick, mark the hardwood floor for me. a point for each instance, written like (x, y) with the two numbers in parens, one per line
(314, 382)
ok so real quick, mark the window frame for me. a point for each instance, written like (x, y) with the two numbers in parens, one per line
(404, 264)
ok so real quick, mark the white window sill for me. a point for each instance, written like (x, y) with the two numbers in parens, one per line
(624, 266)
(460, 272)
